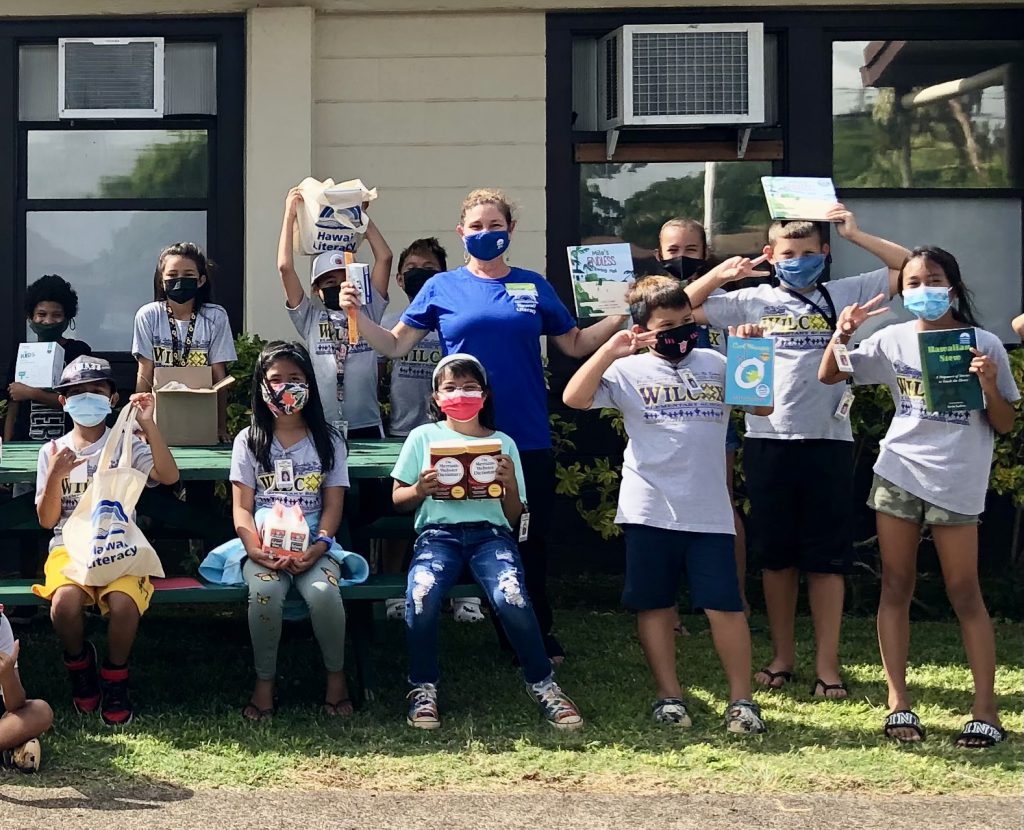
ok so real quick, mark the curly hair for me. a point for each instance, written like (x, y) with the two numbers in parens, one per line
(53, 289)
(488, 196)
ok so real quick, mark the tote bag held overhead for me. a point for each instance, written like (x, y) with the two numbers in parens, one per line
(331, 216)
(101, 536)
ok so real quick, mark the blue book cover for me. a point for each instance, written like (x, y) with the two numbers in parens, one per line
(749, 374)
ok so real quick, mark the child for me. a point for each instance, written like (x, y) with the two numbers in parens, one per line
(23, 720)
(346, 376)
(51, 306)
(290, 454)
(182, 327)
(674, 505)
(66, 466)
(932, 471)
(476, 534)
(798, 462)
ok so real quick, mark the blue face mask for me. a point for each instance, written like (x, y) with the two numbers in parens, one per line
(87, 409)
(802, 271)
(486, 245)
(926, 302)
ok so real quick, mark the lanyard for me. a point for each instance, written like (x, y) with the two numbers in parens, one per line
(179, 356)
(830, 316)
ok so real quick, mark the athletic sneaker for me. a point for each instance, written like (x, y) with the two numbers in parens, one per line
(555, 705)
(117, 705)
(423, 707)
(672, 711)
(394, 609)
(85, 685)
(24, 758)
(467, 610)
(744, 717)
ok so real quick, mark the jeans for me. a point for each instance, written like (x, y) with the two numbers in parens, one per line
(439, 556)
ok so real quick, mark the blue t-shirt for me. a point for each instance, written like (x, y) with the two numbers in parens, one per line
(500, 323)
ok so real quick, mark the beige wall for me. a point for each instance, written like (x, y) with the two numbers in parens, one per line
(425, 108)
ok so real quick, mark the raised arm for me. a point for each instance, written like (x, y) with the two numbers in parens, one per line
(579, 342)
(850, 319)
(1018, 326)
(582, 387)
(380, 276)
(165, 469)
(293, 290)
(395, 343)
(892, 254)
(733, 269)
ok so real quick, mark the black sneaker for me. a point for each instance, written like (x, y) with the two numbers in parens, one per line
(117, 705)
(85, 685)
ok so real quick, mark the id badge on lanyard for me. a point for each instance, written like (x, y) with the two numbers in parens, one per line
(284, 475)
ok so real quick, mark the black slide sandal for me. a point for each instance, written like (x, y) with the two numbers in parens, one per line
(988, 734)
(903, 719)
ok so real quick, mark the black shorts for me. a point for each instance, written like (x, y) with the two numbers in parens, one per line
(801, 503)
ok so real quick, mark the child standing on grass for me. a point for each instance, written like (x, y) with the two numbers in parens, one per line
(66, 466)
(23, 720)
(674, 504)
(474, 534)
(290, 454)
(932, 471)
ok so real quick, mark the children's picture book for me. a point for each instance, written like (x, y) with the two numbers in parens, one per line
(749, 371)
(601, 276)
(946, 359)
(798, 197)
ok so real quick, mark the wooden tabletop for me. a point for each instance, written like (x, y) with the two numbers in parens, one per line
(366, 459)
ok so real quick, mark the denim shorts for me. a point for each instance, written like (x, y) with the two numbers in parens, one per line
(656, 559)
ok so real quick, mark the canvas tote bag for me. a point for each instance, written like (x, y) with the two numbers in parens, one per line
(101, 536)
(331, 216)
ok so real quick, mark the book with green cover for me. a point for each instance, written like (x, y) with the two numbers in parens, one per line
(946, 359)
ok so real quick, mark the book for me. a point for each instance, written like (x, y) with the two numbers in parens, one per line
(946, 359)
(749, 371)
(798, 197)
(39, 365)
(466, 469)
(601, 276)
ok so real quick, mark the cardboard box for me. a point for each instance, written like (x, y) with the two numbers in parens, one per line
(466, 469)
(186, 413)
(39, 364)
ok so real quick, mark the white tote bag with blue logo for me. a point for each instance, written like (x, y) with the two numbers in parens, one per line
(101, 536)
(331, 216)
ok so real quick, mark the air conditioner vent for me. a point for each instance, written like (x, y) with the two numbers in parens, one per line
(111, 77)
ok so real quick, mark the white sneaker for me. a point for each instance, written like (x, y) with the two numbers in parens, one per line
(467, 610)
(394, 609)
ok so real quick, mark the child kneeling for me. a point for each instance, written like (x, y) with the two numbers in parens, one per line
(674, 504)
(476, 533)
(23, 720)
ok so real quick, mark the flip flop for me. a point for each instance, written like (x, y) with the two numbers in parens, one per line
(829, 687)
(252, 713)
(784, 676)
(903, 719)
(340, 709)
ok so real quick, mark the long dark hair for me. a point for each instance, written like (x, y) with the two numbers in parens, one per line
(204, 266)
(963, 308)
(461, 368)
(261, 428)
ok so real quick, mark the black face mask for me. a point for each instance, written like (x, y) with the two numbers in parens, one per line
(678, 342)
(181, 290)
(415, 279)
(332, 297)
(684, 267)
(49, 332)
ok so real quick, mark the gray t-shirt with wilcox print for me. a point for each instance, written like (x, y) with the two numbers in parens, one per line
(346, 376)
(211, 341)
(804, 407)
(940, 457)
(412, 381)
(673, 472)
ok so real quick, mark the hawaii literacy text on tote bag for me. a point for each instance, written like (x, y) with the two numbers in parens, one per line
(101, 536)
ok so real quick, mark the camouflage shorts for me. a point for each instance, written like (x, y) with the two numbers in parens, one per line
(887, 498)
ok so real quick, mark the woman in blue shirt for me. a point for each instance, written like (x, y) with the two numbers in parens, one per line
(498, 313)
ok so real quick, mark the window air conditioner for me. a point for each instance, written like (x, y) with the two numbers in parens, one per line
(111, 77)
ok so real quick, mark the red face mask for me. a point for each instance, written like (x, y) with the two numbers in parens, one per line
(461, 406)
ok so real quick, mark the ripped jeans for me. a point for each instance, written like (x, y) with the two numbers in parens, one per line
(440, 554)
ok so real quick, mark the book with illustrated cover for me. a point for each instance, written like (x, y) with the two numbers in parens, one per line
(946, 359)
(798, 197)
(601, 276)
(749, 371)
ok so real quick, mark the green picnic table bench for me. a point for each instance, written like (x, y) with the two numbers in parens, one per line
(366, 460)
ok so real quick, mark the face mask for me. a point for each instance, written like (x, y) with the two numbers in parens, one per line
(678, 342)
(926, 302)
(49, 332)
(487, 245)
(331, 297)
(683, 267)
(87, 409)
(181, 290)
(802, 271)
(415, 279)
(461, 406)
(285, 398)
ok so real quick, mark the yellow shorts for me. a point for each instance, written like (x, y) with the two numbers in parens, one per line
(139, 588)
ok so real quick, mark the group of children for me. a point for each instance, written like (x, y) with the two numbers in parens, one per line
(675, 502)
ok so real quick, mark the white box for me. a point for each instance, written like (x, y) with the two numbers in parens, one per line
(39, 365)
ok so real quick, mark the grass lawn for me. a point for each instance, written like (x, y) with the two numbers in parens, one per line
(192, 673)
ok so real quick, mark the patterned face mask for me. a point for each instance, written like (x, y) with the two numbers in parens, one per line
(285, 398)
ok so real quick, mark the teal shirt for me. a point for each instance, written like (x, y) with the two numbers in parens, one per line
(413, 460)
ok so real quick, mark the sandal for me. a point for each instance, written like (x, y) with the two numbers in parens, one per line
(981, 734)
(340, 709)
(784, 676)
(830, 687)
(252, 713)
(903, 719)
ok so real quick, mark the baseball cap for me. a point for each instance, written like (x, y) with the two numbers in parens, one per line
(325, 263)
(85, 369)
